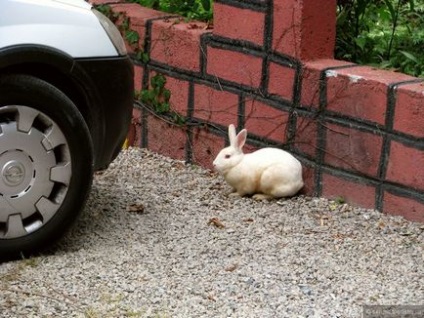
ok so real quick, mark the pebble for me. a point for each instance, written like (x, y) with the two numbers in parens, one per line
(301, 257)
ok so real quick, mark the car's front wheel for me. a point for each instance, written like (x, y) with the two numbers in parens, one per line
(46, 163)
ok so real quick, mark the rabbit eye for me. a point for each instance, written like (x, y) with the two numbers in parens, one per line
(227, 156)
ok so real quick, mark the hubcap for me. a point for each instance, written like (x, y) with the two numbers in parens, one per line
(13, 173)
(35, 170)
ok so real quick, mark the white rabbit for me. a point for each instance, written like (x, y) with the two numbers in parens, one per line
(266, 173)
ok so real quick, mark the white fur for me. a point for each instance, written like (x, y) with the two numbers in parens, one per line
(265, 173)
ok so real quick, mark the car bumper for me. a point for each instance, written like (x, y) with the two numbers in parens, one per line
(111, 94)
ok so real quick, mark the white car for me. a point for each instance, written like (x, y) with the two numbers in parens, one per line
(66, 96)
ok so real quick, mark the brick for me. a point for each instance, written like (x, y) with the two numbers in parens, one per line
(97, 2)
(239, 23)
(134, 133)
(310, 91)
(214, 105)
(353, 150)
(360, 92)
(407, 207)
(138, 77)
(281, 81)
(352, 192)
(310, 78)
(308, 174)
(205, 147)
(265, 121)
(409, 111)
(306, 136)
(248, 148)
(235, 66)
(179, 94)
(287, 36)
(138, 17)
(304, 29)
(177, 44)
(166, 139)
(138, 14)
(405, 166)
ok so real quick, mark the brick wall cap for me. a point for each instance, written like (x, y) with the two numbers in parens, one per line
(325, 64)
(356, 74)
(194, 27)
(414, 89)
(108, 2)
(137, 13)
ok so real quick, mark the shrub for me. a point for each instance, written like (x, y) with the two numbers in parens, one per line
(387, 34)
(191, 9)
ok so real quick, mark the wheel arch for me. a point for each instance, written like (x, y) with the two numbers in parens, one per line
(60, 70)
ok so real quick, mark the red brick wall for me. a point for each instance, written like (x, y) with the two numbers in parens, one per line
(268, 66)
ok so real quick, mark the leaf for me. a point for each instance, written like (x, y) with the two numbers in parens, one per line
(216, 222)
(142, 56)
(132, 36)
(410, 56)
(206, 4)
(135, 208)
(384, 14)
(145, 58)
(125, 24)
(178, 119)
(166, 94)
(340, 200)
(158, 81)
(391, 8)
(361, 7)
(105, 9)
(361, 42)
(145, 96)
(166, 107)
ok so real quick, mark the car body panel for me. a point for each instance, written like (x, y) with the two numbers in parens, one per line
(64, 25)
(111, 81)
(62, 39)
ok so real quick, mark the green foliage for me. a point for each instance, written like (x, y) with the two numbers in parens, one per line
(383, 33)
(106, 10)
(200, 10)
(340, 200)
(130, 35)
(157, 96)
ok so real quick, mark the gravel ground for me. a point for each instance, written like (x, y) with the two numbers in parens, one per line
(162, 239)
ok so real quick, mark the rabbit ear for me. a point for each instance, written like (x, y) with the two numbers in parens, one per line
(232, 134)
(241, 139)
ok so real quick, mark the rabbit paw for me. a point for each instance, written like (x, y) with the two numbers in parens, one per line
(262, 197)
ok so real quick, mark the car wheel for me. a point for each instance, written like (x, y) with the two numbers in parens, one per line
(46, 164)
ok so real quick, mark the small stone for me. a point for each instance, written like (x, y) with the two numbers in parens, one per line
(305, 289)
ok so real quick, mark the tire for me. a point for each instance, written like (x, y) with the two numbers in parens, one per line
(46, 164)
